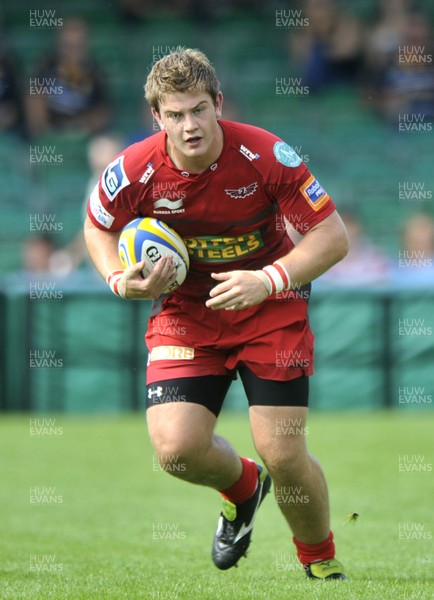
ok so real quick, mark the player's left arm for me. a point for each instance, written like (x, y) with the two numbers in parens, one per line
(322, 246)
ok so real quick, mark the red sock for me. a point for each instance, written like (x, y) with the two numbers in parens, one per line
(308, 553)
(246, 485)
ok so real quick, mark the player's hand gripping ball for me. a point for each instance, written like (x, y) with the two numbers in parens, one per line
(149, 240)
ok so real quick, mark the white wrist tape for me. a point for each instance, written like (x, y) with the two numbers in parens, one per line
(113, 280)
(277, 278)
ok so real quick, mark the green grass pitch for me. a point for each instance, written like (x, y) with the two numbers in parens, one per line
(87, 514)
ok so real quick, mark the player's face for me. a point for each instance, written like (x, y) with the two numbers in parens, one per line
(190, 121)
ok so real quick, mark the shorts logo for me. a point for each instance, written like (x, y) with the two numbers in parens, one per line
(286, 155)
(114, 178)
(98, 211)
(171, 353)
(314, 193)
(243, 192)
(157, 392)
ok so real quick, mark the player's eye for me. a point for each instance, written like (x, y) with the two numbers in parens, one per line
(199, 110)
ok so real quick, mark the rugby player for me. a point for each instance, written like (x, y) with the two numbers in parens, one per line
(228, 189)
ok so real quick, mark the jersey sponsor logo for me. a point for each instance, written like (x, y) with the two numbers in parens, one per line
(222, 249)
(173, 206)
(314, 193)
(244, 191)
(114, 178)
(286, 155)
(248, 154)
(147, 174)
(171, 353)
(168, 198)
(98, 211)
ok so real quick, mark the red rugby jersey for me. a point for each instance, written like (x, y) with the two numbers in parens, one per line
(231, 216)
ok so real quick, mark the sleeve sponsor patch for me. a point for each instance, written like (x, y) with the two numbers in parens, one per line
(314, 193)
(114, 178)
(98, 211)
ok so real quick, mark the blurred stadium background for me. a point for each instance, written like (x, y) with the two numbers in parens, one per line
(368, 352)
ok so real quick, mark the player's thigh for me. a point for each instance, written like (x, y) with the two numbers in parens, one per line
(181, 413)
(278, 413)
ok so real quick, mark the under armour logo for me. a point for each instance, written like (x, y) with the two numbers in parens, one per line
(157, 392)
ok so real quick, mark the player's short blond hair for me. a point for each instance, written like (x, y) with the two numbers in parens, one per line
(185, 70)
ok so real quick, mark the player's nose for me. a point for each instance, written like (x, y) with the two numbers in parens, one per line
(190, 123)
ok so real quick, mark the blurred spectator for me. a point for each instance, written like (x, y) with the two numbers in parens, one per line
(401, 78)
(385, 33)
(416, 257)
(135, 11)
(101, 151)
(147, 126)
(11, 117)
(78, 101)
(139, 10)
(364, 263)
(37, 252)
(330, 49)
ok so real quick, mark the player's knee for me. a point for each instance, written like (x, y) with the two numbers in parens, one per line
(171, 452)
(284, 460)
(173, 463)
(178, 456)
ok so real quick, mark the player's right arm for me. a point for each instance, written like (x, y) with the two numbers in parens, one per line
(103, 250)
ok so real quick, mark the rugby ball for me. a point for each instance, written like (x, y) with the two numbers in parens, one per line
(149, 240)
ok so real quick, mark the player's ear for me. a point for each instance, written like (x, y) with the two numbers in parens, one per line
(157, 118)
(219, 105)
